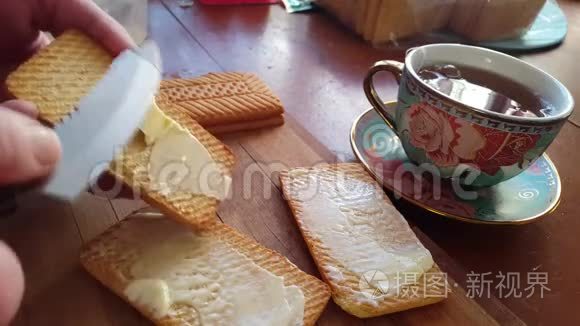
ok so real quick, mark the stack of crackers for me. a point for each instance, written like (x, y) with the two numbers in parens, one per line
(223, 102)
(65, 71)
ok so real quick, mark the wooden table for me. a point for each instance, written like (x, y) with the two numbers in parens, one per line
(316, 67)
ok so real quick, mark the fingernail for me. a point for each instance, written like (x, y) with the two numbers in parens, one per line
(45, 145)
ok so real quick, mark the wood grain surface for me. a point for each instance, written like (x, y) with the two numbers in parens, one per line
(316, 67)
(132, 14)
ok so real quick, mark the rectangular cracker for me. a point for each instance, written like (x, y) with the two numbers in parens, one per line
(348, 189)
(246, 125)
(220, 102)
(58, 76)
(224, 101)
(196, 210)
(110, 256)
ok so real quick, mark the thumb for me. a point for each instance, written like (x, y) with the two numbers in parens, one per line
(11, 284)
(28, 150)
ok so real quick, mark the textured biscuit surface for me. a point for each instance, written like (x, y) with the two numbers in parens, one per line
(222, 99)
(345, 185)
(196, 210)
(110, 256)
(56, 79)
(61, 74)
(246, 125)
(58, 76)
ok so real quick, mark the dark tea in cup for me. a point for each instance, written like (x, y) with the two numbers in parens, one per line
(484, 90)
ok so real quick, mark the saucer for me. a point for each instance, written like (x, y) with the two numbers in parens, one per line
(521, 199)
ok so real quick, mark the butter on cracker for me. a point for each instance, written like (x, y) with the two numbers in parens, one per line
(79, 62)
(176, 276)
(179, 161)
(362, 245)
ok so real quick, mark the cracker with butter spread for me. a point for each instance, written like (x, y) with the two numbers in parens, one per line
(217, 276)
(58, 76)
(363, 247)
(196, 209)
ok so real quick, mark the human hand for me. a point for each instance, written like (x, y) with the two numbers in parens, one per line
(25, 21)
(11, 284)
(28, 150)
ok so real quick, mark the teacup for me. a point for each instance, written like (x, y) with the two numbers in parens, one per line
(479, 147)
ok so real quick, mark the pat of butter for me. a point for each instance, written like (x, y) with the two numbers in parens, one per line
(155, 125)
(152, 294)
(178, 161)
(222, 285)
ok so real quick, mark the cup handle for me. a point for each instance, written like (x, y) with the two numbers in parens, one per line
(395, 68)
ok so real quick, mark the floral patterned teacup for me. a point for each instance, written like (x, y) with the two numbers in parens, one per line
(478, 147)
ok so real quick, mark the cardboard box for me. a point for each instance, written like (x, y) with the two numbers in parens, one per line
(370, 21)
(380, 21)
(484, 20)
(399, 19)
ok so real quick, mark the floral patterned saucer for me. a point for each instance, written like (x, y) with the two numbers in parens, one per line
(521, 199)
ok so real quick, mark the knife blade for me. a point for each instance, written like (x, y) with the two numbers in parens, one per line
(105, 121)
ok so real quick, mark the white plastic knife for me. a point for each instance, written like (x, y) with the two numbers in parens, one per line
(105, 120)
